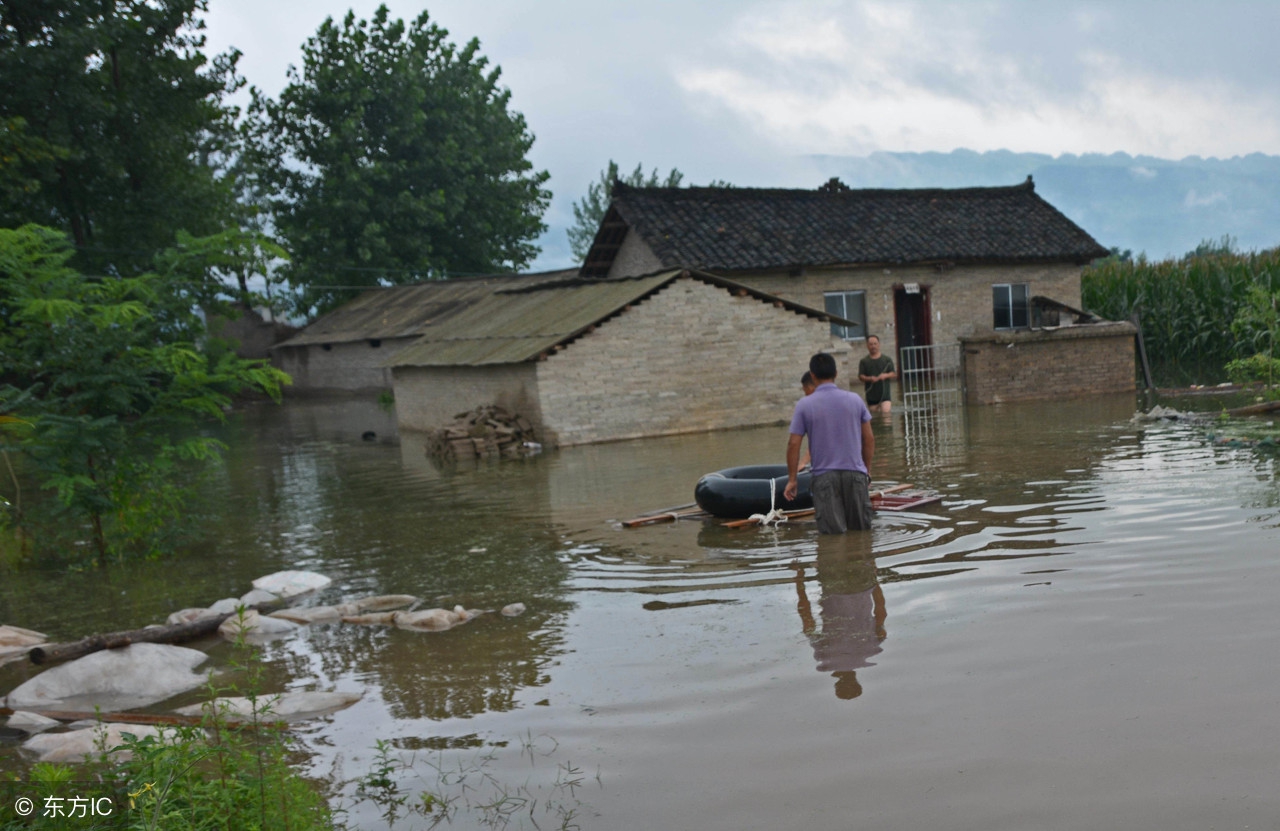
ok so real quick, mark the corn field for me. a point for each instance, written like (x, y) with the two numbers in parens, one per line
(1187, 307)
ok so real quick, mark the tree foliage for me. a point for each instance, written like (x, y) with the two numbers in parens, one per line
(393, 156)
(112, 124)
(590, 209)
(107, 377)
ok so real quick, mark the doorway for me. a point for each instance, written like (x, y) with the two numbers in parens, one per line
(911, 316)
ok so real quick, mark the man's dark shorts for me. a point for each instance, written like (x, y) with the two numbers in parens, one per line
(841, 502)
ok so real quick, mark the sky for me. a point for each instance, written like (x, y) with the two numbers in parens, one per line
(750, 92)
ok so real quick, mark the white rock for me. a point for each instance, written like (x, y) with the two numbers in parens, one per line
(289, 706)
(74, 746)
(225, 606)
(436, 620)
(15, 642)
(384, 602)
(256, 626)
(513, 609)
(31, 723)
(291, 583)
(316, 614)
(385, 618)
(256, 597)
(113, 679)
(11, 636)
(185, 616)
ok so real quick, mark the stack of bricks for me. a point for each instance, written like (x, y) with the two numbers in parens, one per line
(485, 432)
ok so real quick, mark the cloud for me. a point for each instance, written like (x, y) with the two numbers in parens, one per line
(1142, 172)
(821, 77)
(1195, 200)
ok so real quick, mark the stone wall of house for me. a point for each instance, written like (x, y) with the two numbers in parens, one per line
(428, 397)
(690, 358)
(960, 301)
(634, 257)
(354, 367)
(1066, 362)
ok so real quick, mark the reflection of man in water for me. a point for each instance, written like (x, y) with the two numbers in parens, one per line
(852, 610)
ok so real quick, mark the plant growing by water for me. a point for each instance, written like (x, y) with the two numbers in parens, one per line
(1187, 305)
(115, 377)
(1257, 327)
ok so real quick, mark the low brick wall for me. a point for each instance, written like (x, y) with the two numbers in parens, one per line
(1049, 363)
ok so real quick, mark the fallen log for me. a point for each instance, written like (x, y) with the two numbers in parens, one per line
(153, 719)
(169, 633)
(1255, 409)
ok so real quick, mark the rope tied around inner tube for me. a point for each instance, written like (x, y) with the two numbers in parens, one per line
(775, 516)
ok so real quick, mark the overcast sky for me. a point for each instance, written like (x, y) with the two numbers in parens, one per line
(744, 91)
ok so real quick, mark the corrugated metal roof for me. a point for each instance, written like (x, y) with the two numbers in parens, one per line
(405, 311)
(514, 326)
(519, 323)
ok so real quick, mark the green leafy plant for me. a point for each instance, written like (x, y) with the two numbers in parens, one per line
(1188, 306)
(115, 376)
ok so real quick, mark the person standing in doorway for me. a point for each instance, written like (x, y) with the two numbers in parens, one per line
(841, 445)
(875, 372)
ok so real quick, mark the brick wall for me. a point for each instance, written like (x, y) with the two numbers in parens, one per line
(428, 397)
(1072, 361)
(690, 358)
(959, 297)
(343, 367)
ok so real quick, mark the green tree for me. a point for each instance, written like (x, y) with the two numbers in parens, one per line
(107, 374)
(394, 157)
(115, 125)
(590, 209)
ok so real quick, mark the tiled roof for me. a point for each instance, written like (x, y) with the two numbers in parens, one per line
(404, 311)
(518, 323)
(753, 228)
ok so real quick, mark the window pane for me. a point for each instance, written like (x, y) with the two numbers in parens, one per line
(855, 309)
(1021, 309)
(834, 304)
(1000, 301)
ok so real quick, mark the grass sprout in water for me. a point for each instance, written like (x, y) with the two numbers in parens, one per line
(470, 787)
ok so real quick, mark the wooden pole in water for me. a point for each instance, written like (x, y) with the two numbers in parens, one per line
(1142, 351)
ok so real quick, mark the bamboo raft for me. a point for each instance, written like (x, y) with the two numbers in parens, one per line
(894, 498)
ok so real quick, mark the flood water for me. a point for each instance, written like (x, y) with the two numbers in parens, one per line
(1084, 634)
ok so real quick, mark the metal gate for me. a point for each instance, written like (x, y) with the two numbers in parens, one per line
(932, 383)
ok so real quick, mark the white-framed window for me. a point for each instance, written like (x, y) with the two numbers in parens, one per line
(1012, 309)
(851, 305)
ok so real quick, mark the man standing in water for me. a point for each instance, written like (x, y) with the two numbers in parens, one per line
(841, 443)
(875, 372)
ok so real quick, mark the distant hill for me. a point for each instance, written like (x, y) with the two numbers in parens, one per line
(1161, 206)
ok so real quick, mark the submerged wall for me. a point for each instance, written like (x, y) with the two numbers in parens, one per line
(428, 397)
(1072, 361)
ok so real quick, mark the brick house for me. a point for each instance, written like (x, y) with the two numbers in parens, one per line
(605, 358)
(916, 267)
(345, 350)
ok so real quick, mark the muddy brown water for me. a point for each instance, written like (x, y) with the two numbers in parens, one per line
(1084, 634)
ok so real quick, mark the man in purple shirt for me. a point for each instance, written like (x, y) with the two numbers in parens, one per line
(841, 443)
